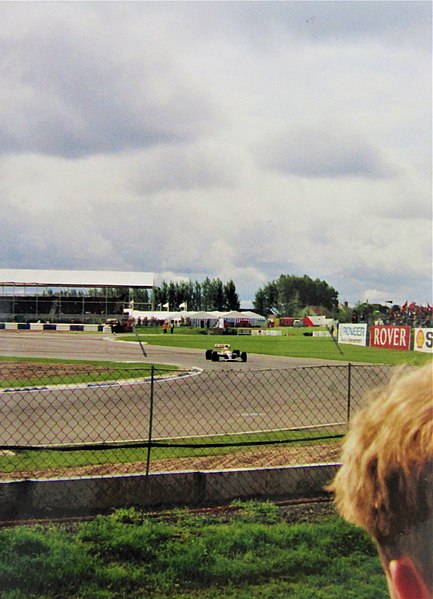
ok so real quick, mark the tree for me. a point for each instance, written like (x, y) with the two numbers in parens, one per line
(217, 295)
(288, 294)
(206, 294)
(366, 312)
(196, 296)
(231, 301)
(212, 294)
(260, 304)
(185, 294)
(141, 299)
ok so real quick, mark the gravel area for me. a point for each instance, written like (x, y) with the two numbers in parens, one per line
(263, 458)
(19, 371)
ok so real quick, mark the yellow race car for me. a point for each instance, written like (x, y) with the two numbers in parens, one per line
(224, 351)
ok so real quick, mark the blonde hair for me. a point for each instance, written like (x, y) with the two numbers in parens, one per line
(385, 483)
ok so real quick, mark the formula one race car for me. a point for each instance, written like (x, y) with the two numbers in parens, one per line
(224, 351)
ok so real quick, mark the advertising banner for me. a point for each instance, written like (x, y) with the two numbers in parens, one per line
(389, 337)
(423, 340)
(355, 334)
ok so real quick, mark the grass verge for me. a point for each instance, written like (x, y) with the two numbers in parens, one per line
(255, 553)
(294, 344)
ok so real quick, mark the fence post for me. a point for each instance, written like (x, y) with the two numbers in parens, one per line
(349, 389)
(149, 439)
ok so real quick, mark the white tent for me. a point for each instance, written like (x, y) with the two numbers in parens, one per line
(197, 318)
(254, 315)
(252, 318)
(160, 315)
(200, 317)
(257, 318)
(202, 314)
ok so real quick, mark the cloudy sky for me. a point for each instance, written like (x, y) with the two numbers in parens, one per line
(240, 140)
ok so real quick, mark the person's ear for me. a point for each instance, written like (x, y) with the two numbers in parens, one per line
(406, 580)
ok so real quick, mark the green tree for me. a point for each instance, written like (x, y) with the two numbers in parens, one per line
(141, 299)
(185, 294)
(288, 294)
(217, 295)
(197, 297)
(260, 304)
(206, 294)
(231, 298)
(366, 312)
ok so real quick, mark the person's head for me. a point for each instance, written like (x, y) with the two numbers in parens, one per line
(385, 483)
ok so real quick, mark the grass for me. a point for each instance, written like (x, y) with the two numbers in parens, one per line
(255, 553)
(293, 343)
(27, 461)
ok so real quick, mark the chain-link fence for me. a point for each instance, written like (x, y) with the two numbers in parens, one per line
(78, 421)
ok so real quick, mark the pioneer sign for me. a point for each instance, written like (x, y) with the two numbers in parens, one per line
(355, 334)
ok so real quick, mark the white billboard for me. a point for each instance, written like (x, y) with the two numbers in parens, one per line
(355, 334)
(423, 340)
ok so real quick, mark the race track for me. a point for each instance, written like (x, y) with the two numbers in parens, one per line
(82, 346)
(264, 393)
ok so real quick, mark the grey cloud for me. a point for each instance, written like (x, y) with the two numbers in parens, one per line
(391, 22)
(383, 286)
(190, 167)
(174, 95)
(396, 22)
(323, 152)
(75, 91)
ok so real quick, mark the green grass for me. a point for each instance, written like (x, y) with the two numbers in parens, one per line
(252, 554)
(294, 344)
(26, 461)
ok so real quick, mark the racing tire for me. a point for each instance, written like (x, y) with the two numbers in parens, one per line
(236, 353)
(244, 356)
(208, 354)
(215, 357)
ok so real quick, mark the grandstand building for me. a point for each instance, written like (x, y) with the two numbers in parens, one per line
(70, 296)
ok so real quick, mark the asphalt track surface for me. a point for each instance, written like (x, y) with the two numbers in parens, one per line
(264, 393)
(83, 346)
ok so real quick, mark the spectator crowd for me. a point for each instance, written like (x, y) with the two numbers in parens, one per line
(411, 315)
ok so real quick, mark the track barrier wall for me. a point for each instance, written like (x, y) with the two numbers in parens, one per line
(80, 439)
(50, 326)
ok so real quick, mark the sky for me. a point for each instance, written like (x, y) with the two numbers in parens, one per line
(239, 140)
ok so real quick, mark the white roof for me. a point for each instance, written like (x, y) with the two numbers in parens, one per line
(250, 314)
(200, 315)
(75, 278)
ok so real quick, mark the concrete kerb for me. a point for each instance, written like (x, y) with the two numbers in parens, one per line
(98, 494)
